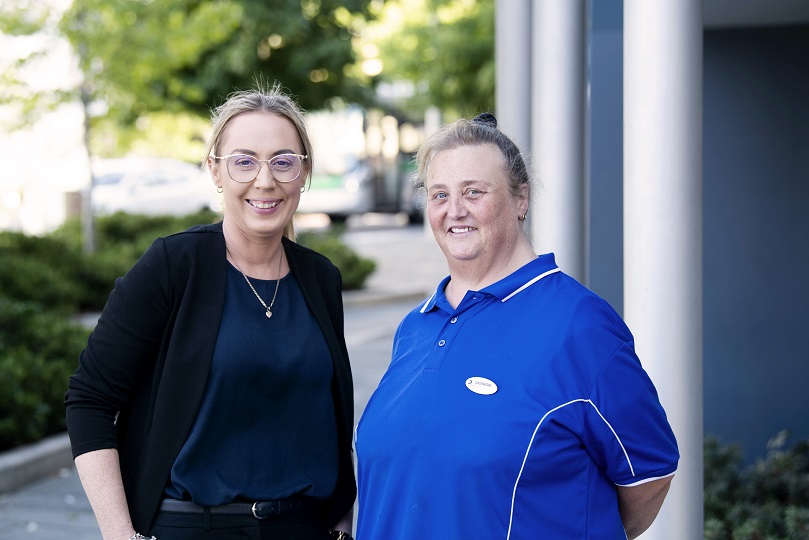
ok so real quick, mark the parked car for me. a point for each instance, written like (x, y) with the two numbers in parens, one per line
(151, 186)
(340, 193)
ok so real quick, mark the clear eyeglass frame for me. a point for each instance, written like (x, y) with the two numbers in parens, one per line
(244, 168)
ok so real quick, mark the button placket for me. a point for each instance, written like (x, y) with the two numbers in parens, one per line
(452, 328)
(448, 332)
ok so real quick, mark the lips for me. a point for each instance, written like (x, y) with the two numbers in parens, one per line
(262, 205)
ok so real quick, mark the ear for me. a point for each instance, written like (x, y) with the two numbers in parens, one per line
(524, 198)
(305, 175)
(213, 169)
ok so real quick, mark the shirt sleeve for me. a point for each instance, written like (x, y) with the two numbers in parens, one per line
(120, 350)
(626, 430)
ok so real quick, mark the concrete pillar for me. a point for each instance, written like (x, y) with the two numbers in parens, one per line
(512, 54)
(663, 230)
(558, 131)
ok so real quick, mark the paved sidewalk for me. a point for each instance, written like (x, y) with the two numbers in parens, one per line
(53, 506)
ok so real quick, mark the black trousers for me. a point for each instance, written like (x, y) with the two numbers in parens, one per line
(297, 526)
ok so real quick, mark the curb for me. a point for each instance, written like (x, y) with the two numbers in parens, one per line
(26, 464)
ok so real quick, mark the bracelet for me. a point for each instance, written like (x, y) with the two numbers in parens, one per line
(138, 536)
(341, 535)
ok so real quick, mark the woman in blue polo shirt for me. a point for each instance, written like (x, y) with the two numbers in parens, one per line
(514, 405)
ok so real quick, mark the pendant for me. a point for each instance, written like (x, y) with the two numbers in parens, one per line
(269, 313)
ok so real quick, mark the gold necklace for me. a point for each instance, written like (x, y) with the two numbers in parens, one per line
(268, 313)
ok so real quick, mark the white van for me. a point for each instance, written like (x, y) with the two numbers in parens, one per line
(153, 186)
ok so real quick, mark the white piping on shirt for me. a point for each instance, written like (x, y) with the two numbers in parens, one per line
(540, 276)
(427, 303)
(544, 274)
(531, 443)
(644, 481)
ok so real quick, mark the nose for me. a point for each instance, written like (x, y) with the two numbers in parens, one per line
(457, 208)
(264, 178)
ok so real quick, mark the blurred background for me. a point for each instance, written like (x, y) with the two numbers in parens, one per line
(88, 81)
(104, 109)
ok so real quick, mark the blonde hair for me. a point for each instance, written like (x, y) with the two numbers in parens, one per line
(463, 132)
(264, 99)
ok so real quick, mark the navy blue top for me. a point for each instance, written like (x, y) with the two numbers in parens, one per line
(266, 428)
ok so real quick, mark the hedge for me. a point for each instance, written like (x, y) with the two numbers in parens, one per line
(38, 352)
(768, 500)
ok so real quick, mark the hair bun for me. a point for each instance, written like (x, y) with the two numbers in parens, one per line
(487, 119)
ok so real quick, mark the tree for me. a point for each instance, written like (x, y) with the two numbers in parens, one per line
(443, 48)
(28, 32)
(142, 56)
(144, 60)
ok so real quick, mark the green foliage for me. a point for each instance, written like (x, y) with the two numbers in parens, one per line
(121, 239)
(22, 18)
(141, 230)
(187, 55)
(354, 269)
(38, 352)
(54, 272)
(34, 24)
(40, 270)
(445, 48)
(767, 501)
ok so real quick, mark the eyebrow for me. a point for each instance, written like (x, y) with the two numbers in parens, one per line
(253, 153)
(464, 183)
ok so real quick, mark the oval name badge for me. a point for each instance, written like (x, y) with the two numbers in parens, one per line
(480, 385)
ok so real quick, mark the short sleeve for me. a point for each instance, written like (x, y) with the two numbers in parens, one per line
(626, 430)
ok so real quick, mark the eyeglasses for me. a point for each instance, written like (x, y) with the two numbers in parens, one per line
(283, 167)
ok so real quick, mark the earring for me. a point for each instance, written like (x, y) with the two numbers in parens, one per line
(522, 217)
(219, 189)
(303, 188)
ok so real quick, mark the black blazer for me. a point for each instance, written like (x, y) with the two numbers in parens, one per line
(148, 358)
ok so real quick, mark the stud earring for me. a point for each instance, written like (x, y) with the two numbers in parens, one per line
(522, 217)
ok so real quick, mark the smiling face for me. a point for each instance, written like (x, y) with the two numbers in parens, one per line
(471, 210)
(263, 207)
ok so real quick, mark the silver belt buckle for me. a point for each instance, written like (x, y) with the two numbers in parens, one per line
(254, 510)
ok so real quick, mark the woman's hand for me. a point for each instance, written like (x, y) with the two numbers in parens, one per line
(346, 523)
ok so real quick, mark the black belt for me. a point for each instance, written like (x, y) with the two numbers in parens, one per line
(258, 509)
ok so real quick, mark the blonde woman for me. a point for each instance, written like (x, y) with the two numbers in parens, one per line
(214, 399)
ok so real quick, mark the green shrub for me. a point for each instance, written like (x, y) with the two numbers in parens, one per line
(140, 230)
(38, 352)
(768, 500)
(41, 270)
(120, 240)
(354, 269)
